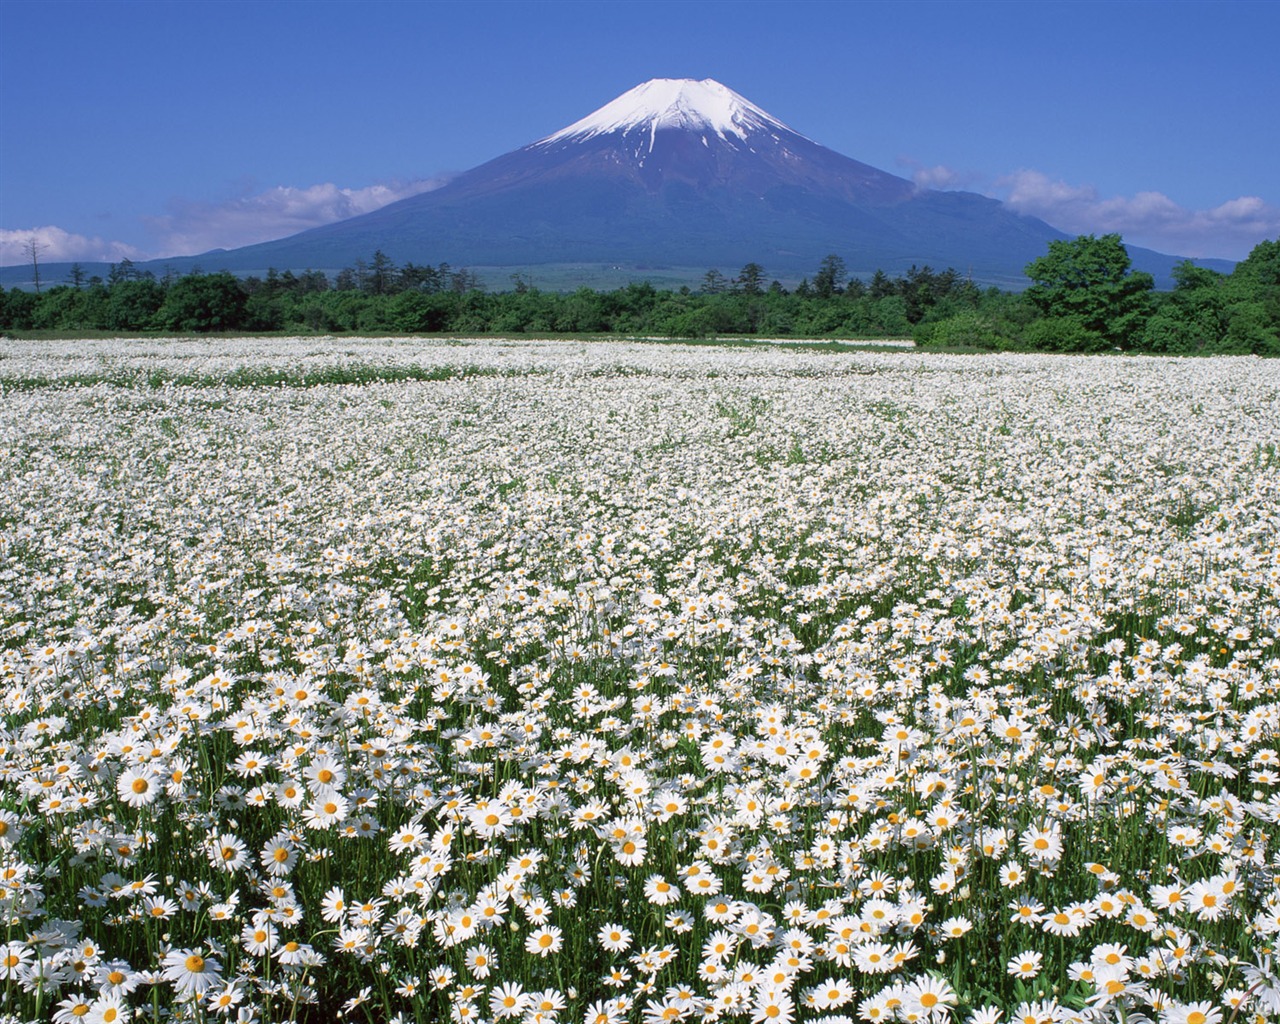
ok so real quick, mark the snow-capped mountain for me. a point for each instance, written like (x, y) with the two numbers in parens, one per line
(703, 133)
(705, 106)
(677, 173)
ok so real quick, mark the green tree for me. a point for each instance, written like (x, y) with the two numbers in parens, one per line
(713, 282)
(132, 303)
(880, 287)
(123, 271)
(1253, 297)
(918, 291)
(583, 311)
(750, 279)
(1191, 318)
(890, 315)
(966, 329)
(1063, 334)
(464, 280)
(830, 277)
(382, 275)
(1088, 280)
(17, 309)
(204, 302)
(421, 279)
(66, 308)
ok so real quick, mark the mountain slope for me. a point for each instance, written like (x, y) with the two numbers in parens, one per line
(677, 173)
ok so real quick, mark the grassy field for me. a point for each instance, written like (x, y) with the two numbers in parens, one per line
(559, 681)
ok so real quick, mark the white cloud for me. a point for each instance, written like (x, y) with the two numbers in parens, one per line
(939, 176)
(56, 245)
(192, 227)
(1148, 219)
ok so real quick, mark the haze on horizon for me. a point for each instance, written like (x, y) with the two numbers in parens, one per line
(146, 130)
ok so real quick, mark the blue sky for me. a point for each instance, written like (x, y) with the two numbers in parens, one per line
(148, 129)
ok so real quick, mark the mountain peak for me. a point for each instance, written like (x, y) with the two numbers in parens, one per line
(676, 173)
(673, 103)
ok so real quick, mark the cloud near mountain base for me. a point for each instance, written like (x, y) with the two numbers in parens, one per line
(191, 227)
(55, 245)
(1149, 219)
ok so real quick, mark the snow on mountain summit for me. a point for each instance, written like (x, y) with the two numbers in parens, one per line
(673, 103)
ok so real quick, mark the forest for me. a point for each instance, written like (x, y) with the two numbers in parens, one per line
(1083, 296)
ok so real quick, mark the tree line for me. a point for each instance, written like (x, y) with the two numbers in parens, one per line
(1084, 297)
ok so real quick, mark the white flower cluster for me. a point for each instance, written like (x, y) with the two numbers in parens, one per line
(549, 681)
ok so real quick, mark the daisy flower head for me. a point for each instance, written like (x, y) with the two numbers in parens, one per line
(660, 892)
(1044, 846)
(227, 999)
(1193, 1013)
(481, 961)
(191, 971)
(1026, 964)
(1111, 954)
(10, 828)
(328, 808)
(108, 1008)
(118, 976)
(955, 927)
(614, 938)
(881, 1007)
(15, 960)
(931, 994)
(603, 1011)
(1061, 922)
(333, 907)
(279, 855)
(74, 1009)
(873, 957)
(544, 941)
(1112, 983)
(138, 787)
(295, 954)
(408, 839)
(631, 851)
(773, 1005)
(259, 938)
(832, 993)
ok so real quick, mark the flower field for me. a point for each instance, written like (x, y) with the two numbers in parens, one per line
(559, 682)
